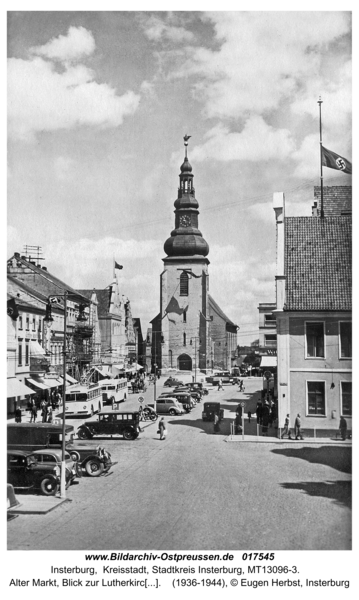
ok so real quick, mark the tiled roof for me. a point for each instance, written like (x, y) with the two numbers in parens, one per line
(103, 299)
(337, 199)
(219, 311)
(318, 263)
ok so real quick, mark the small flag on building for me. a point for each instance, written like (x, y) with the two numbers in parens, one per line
(335, 161)
(117, 266)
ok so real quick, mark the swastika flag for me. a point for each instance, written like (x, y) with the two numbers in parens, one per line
(335, 161)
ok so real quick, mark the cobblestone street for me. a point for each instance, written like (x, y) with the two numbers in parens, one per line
(196, 491)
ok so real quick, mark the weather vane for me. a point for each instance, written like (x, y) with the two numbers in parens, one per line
(186, 138)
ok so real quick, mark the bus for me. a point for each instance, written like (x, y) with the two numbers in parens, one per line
(114, 390)
(83, 400)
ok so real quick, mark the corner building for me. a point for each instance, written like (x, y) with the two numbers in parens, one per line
(181, 332)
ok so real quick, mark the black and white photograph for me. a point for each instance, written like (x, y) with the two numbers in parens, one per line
(179, 291)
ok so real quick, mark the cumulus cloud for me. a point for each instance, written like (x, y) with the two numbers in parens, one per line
(161, 29)
(42, 98)
(256, 141)
(77, 43)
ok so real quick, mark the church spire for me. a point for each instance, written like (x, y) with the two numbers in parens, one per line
(186, 239)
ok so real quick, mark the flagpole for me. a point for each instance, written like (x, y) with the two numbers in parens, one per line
(320, 102)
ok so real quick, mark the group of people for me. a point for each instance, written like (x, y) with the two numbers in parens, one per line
(266, 415)
(297, 428)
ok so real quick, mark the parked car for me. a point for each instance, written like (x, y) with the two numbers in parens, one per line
(24, 472)
(112, 423)
(183, 397)
(36, 436)
(168, 406)
(210, 409)
(172, 382)
(196, 395)
(54, 457)
(197, 387)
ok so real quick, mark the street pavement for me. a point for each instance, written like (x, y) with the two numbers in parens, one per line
(195, 490)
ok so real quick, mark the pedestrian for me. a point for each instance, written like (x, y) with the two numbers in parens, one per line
(286, 429)
(33, 416)
(249, 416)
(259, 413)
(44, 411)
(239, 411)
(18, 415)
(216, 428)
(162, 429)
(49, 414)
(343, 428)
(220, 384)
(297, 428)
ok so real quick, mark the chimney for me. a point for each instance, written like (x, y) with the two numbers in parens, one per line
(44, 268)
(17, 254)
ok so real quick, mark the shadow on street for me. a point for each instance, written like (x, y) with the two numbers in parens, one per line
(339, 491)
(337, 457)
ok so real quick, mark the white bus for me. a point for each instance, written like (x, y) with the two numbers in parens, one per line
(83, 399)
(114, 390)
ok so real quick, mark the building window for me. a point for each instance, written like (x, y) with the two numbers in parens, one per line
(269, 321)
(34, 324)
(184, 339)
(184, 284)
(315, 340)
(20, 322)
(270, 341)
(27, 322)
(27, 352)
(346, 389)
(316, 397)
(185, 317)
(170, 357)
(19, 353)
(345, 335)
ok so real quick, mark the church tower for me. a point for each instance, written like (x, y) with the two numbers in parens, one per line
(184, 308)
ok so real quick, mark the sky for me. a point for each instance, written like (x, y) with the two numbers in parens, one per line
(98, 104)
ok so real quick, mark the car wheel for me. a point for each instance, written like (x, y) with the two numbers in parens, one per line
(82, 434)
(153, 417)
(75, 455)
(49, 486)
(94, 467)
(172, 412)
(128, 434)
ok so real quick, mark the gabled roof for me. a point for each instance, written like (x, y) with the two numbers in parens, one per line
(219, 311)
(103, 299)
(39, 279)
(318, 266)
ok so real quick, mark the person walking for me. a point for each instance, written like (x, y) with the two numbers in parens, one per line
(33, 415)
(162, 429)
(220, 384)
(286, 429)
(44, 411)
(18, 415)
(249, 416)
(343, 428)
(297, 428)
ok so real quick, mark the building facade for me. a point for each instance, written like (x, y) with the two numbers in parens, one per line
(313, 314)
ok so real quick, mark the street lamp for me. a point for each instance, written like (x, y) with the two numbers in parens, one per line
(49, 319)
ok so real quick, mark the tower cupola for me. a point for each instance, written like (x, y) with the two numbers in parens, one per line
(186, 239)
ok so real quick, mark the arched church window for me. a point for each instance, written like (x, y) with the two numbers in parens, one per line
(184, 284)
(184, 339)
(185, 317)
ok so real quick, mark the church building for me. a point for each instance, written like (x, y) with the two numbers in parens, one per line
(190, 328)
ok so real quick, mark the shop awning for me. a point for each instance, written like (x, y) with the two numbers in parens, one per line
(268, 361)
(17, 388)
(36, 350)
(70, 379)
(51, 382)
(38, 384)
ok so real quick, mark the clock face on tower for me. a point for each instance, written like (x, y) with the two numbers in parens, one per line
(185, 221)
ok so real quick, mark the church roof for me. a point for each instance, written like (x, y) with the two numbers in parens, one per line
(219, 311)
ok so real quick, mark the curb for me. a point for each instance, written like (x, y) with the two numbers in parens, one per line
(37, 505)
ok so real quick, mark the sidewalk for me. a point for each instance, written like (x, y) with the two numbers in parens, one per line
(274, 440)
(36, 505)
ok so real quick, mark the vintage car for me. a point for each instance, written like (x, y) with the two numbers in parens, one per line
(195, 394)
(172, 382)
(197, 387)
(210, 409)
(168, 406)
(54, 457)
(111, 423)
(183, 397)
(24, 472)
(36, 436)
(224, 375)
